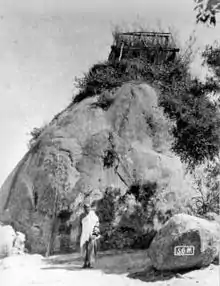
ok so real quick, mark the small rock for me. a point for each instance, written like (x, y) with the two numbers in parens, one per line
(178, 275)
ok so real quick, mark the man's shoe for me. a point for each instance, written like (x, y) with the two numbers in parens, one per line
(90, 266)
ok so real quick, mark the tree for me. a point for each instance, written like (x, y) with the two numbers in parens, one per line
(208, 183)
(35, 135)
(206, 11)
(55, 165)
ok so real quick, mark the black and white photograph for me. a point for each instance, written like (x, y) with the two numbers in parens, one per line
(109, 142)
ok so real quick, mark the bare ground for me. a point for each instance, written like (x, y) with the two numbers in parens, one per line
(128, 268)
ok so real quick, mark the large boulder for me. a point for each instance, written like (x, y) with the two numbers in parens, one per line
(76, 153)
(189, 231)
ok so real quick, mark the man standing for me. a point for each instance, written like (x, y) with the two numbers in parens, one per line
(90, 233)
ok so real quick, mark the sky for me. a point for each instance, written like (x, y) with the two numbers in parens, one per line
(44, 44)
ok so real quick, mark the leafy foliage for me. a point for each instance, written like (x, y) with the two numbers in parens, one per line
(196, 133)
(208, 186)
(35, 134)
(206, 11)
(211, 56)
(123, 224)
(106, 206)
(143, 192)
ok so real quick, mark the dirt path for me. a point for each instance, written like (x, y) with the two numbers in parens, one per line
(124, 269)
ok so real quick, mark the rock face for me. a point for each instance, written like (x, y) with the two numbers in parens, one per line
(7, 237)
(185, 230)
(75, 154)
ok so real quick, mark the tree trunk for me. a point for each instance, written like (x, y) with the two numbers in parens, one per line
(53, 229)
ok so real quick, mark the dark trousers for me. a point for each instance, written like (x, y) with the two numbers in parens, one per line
(90, 251)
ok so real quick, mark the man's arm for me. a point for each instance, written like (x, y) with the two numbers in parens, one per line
(96, 229)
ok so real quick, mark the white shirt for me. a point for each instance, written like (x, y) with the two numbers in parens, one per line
(88, 224)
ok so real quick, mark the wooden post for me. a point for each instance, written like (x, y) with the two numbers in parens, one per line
(121, 51)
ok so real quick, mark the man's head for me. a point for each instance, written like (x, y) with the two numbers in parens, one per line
(87, 208)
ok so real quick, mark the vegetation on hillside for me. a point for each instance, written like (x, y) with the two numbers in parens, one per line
(207, 199)
(211, 56)
(183, 97)
(208, 181)
(35, 134)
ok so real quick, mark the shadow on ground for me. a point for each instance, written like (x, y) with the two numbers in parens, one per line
(152, 275)
(133, 264)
